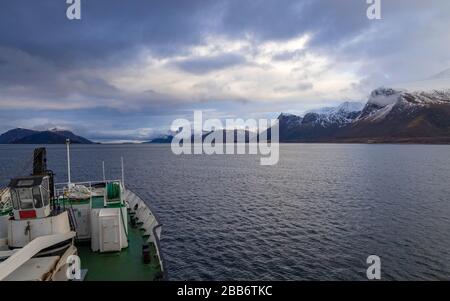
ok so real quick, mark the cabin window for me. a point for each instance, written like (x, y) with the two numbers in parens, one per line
(26, 198)
(25, 183)
(15, 199)
(37, 197)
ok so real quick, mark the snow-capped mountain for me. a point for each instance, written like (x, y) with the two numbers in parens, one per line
(415, 112)
(289, 121)
(339, 116)
(390, 115)
(318, 123)
(383, 101)
(347, 106)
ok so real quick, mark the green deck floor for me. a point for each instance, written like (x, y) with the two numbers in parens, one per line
(126, 265)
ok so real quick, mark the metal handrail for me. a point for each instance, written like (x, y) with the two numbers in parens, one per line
(86, 182)
(61, 188)
(162, 260)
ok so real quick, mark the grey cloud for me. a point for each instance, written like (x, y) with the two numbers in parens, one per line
(32, 78)
(303, 86)
(203, 65)
(289, 55)
(107, 27)
(46, 58)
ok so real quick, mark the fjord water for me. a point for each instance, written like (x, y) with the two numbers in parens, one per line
(318, 214)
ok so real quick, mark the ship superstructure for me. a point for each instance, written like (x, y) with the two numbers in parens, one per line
(96, 230)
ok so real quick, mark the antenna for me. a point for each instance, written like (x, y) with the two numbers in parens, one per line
(68, 160)
(123, 177)
(103, 168)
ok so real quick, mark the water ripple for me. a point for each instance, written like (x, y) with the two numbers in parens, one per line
(316, 215)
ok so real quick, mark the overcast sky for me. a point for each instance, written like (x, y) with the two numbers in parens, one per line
(128, 68)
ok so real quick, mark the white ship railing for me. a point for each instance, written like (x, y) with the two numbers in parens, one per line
(89, 183)
(155, 230)
(61, 188)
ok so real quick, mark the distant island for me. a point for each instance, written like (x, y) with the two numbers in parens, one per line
(53, 136)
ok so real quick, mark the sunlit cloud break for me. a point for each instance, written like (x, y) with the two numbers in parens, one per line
(257, 58)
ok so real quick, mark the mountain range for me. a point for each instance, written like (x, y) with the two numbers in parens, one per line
(389, 116)
(412, 112)
(419, 113)
(53, 136)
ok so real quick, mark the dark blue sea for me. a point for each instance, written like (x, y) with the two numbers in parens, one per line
(316, 215)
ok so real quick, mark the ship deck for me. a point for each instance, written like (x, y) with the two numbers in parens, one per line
(126, 265)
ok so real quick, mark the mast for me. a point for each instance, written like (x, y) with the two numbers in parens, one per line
(123, 176)
(68, 160)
